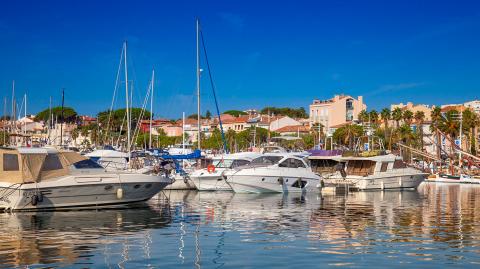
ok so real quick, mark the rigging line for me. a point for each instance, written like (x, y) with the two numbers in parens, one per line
(214, 93)
(142, 112)
(114, 93)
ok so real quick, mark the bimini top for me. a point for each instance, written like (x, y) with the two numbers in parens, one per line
(28, 165)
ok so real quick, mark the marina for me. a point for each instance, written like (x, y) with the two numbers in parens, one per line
(239, 134)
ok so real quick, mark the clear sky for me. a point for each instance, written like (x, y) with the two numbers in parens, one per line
(275, 53)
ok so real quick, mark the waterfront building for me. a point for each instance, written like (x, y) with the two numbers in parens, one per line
(86, 120)
(237, 124)
(293, 130)
(474, 105)
(340, 109)
(281, 122)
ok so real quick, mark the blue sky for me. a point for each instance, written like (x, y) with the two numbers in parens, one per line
(275, 53)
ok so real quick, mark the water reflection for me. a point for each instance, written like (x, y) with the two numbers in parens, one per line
(67, 237)
(436, 225)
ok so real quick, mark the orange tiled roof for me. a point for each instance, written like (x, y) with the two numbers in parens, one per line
(292, 128)
(450, 108)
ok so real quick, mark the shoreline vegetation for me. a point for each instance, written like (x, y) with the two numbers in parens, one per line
(389, 126)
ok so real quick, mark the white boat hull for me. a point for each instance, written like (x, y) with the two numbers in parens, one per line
(82, 191)
(180, 183)
(462, 180)
(210, 181)
(269, 184)
(380, 183)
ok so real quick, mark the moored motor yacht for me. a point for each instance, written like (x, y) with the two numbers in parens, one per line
(110, 158)
(375, 172)
(211, 178)
(446, 178)
(40, 178)
(274, 172)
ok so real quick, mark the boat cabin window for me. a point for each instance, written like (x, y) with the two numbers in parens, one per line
(323, 165)
(399, 164)
(52, 162)
(86, 164)
(384, 167)
(10, 162)
(360, 167)
(266, 160)
(223, 163)
(238, 163)
(292, 163)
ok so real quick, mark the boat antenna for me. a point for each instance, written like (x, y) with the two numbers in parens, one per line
(225, 148)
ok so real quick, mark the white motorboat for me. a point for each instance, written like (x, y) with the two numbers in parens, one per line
(274, 172)
(109, 158)
(39, 178)
(375, 173)
(211, 178)
(460, 179)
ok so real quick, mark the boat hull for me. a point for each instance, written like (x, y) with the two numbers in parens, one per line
(272, 184)
(210, 183)
(81, 191)
(460, 180)
(379, 183)
(181, 183)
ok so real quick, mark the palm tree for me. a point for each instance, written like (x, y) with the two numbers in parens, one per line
(397, 115)
(347, 134)
(408, 116)
(74, 134)
(373, 116)
(470, 123)
(363, 116)
(437, 119)
(386, 115)
(419, 118)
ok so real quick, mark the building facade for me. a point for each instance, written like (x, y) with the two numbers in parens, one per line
(341, 109)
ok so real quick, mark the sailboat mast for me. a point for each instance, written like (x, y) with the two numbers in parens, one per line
(62, 118)
(25, 123)
(127, 97)
(50, 117)
(151, 110)
(183, 132)
(4, 120)
(198, 85)
(13, 102)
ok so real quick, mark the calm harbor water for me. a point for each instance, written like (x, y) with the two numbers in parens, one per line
(437, 225)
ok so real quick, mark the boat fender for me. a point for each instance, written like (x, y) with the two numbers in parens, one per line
(40, 197)
(34, 200)
(119, 193)
(280, 180)
(211, 168)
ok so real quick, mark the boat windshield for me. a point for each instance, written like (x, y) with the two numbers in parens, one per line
(223, 163)
(266, 160)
